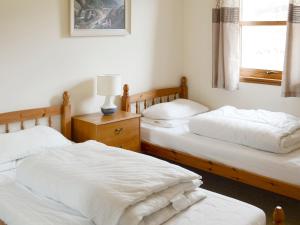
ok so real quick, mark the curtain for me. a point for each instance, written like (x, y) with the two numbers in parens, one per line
(226, 45)
(291, 73)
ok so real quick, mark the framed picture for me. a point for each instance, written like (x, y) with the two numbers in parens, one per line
(100, 17)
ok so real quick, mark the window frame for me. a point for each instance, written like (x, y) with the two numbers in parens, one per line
(261, 76)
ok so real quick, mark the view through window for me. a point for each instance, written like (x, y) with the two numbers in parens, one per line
(263, 39)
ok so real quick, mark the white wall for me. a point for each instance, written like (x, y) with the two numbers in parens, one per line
(198, 67)
(39, 60)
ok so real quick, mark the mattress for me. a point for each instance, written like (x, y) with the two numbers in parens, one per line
(216, 209)
(284, 167)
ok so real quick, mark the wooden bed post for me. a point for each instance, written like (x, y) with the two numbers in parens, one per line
(279, 216)
(66, 116)
(126, 99)
(184, 93)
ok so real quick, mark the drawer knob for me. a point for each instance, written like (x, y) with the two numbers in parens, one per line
(118, 131)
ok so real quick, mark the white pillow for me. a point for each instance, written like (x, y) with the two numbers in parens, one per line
(30, 141)
(177, 109)
(165, 123)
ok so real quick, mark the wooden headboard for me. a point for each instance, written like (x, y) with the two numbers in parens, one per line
(152, 97)
(63, 110)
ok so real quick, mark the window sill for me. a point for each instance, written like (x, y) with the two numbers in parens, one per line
(259, 76)
(258, 80)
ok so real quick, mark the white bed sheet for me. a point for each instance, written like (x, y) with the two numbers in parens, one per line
(284, 167)
(218, 209)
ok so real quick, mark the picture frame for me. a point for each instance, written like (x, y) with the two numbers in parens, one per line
(100, 18)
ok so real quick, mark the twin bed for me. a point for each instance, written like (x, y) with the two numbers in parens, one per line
(279, 173)
(20, 205)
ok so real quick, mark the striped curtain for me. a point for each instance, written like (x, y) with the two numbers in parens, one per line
(291, 73)
(226, 45)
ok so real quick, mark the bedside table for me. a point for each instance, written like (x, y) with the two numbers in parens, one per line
(121, 129)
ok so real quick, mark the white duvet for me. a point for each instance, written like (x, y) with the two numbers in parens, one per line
(111, 186)
(215, 209)
(269, 131)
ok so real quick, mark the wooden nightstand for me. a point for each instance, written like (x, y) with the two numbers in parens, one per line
(119, 130)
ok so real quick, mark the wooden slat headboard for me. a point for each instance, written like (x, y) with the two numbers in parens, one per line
(63, 110)
(151, 97)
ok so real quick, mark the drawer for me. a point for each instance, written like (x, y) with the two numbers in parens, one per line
(124, 134)
(134, 145)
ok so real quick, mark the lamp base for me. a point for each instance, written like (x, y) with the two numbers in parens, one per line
(108, 112)
(109, 107)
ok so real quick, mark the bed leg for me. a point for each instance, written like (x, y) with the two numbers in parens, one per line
(278, 216)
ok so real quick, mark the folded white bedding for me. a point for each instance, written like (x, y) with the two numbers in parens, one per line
(110, 185)
(269, 131)
(163, 215)
(178, 197)
(215, 209)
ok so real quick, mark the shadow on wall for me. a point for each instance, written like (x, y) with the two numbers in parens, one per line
(64, 14)
(166, 53)
(82, 97)
(82, 94)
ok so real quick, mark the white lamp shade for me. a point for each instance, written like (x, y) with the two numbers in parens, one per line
(109, 85)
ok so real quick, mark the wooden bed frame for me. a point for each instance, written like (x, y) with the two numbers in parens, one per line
(158, 96)
(269, 184)
(64, 111)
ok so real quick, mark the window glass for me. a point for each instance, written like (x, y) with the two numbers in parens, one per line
(264, 10)
(263, 47)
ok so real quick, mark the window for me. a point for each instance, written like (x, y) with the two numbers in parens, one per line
(263, 31)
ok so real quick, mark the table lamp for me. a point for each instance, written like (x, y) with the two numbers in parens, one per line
(109, 86)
